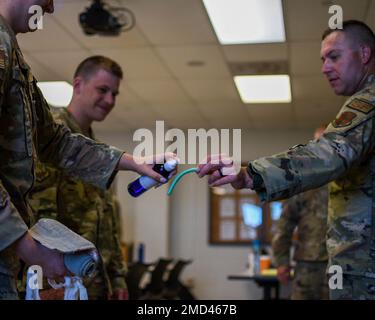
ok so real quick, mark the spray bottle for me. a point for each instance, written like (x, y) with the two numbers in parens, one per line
(144, 183)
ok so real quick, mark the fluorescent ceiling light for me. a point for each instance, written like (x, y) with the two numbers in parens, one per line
(246, 21)
(57, 93)
(264, 89)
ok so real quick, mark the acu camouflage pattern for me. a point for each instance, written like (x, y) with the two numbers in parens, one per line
(355, 286)
(85, 209)
(27, 131)
(344, 155)
(310, 281)
(305, 213)
(308, 213)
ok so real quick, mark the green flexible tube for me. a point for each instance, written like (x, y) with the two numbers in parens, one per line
(178, 177)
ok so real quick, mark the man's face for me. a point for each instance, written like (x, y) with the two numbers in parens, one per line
(97, 95)
(342, 64)
(21, 25)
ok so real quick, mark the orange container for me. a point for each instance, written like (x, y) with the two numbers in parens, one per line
(265, 262)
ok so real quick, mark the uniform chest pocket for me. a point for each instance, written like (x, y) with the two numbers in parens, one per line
(21, 112)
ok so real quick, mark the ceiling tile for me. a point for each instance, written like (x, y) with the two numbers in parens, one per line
(173, 22)
(277, 110)
(52, 36)
(63, 63)
(307, 19)
(305, 58)
(138, 63)
(256, 52)
(177, 59)
(159, 91)
(174, 109)
(206, 90)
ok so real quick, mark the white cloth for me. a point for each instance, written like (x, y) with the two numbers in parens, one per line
(32, 285)
(74, 288)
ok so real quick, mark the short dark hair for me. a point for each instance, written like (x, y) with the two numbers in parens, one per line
(91, 65)
(357, 30)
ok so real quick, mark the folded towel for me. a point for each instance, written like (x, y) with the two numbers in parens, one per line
(82, 264)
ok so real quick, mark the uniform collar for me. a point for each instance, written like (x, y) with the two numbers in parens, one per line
(74, 122)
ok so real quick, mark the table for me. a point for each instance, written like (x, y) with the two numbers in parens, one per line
(268, 283)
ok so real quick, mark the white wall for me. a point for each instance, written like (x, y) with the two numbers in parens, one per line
(180, 230)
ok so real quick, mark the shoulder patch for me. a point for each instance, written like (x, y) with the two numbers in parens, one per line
(361, 105)
(344, 119)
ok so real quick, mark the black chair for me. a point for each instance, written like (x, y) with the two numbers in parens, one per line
(133, 278)
(174, 288)
(154, 290)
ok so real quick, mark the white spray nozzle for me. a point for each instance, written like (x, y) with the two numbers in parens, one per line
(171, 164)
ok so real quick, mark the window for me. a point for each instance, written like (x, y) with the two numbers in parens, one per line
(238, 216)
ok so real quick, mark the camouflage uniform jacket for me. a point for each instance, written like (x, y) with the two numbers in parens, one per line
(344, 155)
(27, 131)
(307, 212)
(87, 210)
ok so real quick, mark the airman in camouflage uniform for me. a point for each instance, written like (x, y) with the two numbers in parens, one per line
(305, 213)
(28, 132)
(85, 209)
(344, 156)
(308, 213)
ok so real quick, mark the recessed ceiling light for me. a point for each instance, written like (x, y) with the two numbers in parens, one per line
(264, 89)
(57, 93)
(246, 21)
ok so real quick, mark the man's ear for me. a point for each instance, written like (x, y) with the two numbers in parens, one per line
(366, 54)
(77, 85)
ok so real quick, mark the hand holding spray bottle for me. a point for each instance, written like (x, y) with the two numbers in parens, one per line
(144, 183)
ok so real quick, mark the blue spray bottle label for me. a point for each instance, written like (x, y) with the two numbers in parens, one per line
(143, 183)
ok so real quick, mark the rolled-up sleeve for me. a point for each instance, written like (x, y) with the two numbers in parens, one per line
(12, 226)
